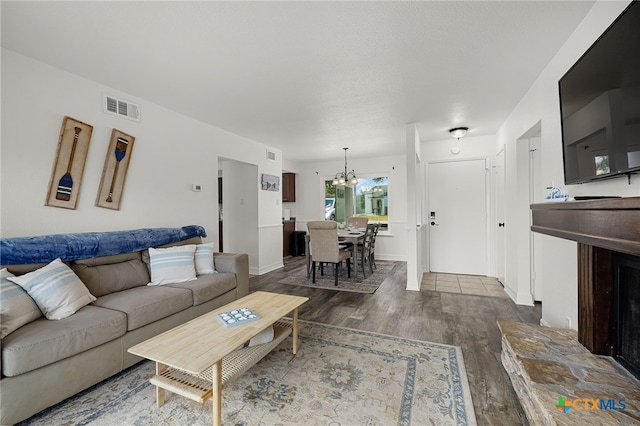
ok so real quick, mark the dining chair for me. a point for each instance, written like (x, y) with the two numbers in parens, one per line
(372, 256)
(364, 249)
(357, 222)
(323, 241)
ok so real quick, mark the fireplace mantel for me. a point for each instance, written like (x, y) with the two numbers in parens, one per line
(612, 224)
(601, 228)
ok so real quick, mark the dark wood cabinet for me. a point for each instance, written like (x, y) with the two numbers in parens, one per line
(288, 187)
(288, 228)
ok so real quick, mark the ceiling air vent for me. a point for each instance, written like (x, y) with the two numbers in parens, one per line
(121, 107)
(271, 155)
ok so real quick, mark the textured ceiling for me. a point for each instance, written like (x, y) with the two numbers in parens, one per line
(307, 77)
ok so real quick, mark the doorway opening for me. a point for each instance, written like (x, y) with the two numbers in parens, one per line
(529, 152)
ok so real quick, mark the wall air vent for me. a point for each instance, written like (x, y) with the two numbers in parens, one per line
(121, 107)
(271, 155)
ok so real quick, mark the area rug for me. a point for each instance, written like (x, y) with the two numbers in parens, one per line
(339, 377)
(359, 284)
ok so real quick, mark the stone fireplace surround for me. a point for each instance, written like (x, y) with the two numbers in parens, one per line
(545, 363)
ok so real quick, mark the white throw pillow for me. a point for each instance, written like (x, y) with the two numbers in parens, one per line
(172, 265)
(204, 259)
(17, 308)
(56, 289)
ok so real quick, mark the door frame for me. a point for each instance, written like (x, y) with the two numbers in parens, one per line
(497, 195)
(488, 163)
(535, 186)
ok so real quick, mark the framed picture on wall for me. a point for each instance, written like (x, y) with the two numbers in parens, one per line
(270, 183)
(71, 154)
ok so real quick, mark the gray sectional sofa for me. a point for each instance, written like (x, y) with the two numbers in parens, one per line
(47, 361)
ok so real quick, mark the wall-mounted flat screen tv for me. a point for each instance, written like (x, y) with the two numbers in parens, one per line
(600, 105)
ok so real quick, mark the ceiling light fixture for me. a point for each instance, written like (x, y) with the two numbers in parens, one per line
(458, 132)
(342, 178)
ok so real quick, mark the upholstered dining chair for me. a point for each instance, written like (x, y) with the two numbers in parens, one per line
(357, 222)
(323, 242)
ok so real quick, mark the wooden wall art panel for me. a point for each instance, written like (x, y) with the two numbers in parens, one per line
(115, 170)
(73, 146)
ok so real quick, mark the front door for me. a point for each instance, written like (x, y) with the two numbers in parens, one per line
(458, 217)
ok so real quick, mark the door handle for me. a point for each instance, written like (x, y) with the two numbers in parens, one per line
(434, 224)
(501, 225)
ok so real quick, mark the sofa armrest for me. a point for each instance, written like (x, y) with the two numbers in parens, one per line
(237, 263)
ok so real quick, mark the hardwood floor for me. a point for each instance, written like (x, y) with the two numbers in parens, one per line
(455, 319)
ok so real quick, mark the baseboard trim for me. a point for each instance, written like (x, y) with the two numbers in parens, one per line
(266, 269)
(524, 299)
(391, 257)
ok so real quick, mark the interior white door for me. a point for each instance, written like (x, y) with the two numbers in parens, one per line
(458, 217)
(500, 216)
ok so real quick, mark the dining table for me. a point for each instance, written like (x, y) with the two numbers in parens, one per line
(353, 236)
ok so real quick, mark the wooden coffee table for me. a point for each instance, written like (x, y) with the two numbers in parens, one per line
(196, 358)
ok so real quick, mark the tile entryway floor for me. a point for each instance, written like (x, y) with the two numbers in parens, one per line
(463, 284)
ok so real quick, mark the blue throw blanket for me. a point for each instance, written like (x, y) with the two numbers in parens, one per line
(45, 248)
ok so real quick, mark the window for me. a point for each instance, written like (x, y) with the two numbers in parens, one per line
(369, 198)
(372, 199)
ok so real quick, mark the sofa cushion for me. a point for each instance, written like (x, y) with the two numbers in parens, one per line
(23, 269)
(43, 342)
(192, 240)
(56, 289)
(144, 305)
(172, 264)
(17, 308)
(108, 274)
(204, 259)
(208, 287)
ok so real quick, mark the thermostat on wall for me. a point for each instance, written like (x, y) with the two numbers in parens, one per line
(196, 188)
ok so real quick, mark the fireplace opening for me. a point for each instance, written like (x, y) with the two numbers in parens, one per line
(625, 320)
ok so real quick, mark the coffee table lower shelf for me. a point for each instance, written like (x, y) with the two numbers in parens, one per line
(199, 388)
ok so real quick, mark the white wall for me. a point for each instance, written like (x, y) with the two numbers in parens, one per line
(415, 194)
(558, 274)
(240, 204)
(171, 152)
(310, 177)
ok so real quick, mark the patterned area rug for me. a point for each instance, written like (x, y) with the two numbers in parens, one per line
(361, 284)
(339, 377)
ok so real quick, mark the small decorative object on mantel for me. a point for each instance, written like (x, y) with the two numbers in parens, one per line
(270, 183)
(557, 193)
(115, 170)
(73, 145)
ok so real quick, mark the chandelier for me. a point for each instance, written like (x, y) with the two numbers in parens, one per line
(342, 178)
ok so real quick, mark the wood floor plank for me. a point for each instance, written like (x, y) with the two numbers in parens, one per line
(453, 319)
